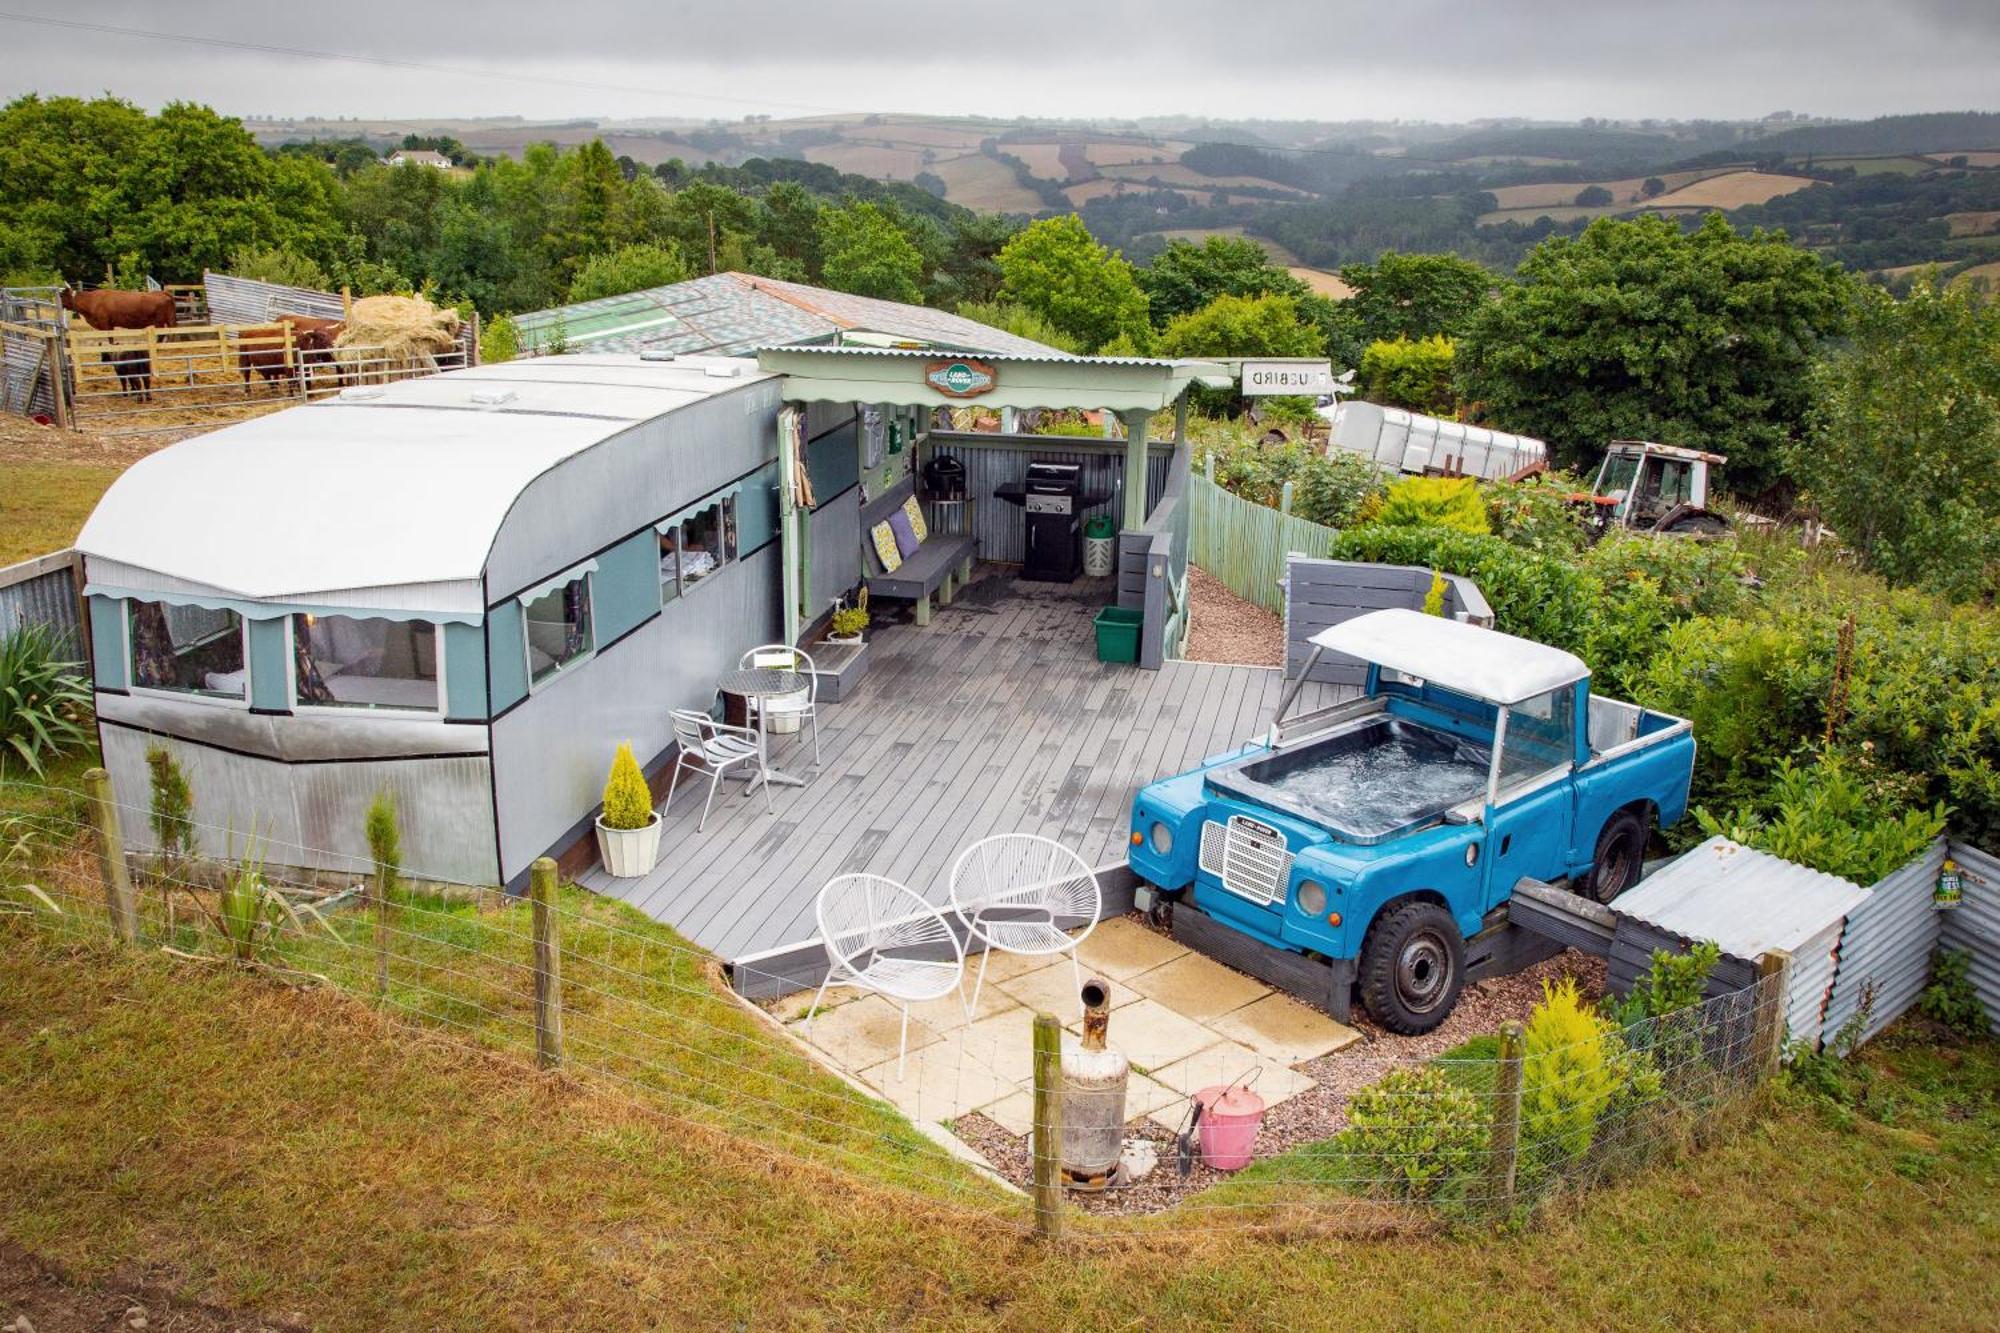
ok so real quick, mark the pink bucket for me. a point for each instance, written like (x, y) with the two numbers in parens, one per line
(1230, 1119)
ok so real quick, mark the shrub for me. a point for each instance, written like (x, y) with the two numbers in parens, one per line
(1950, 998)
(1434, 597)
(628, 802)
(171, 806)
(385, 841)
(499, 340)
(279, 266)
(1646, 585)
(631, 268)
(1531, 595)
(1569, 1076)
(1673, 981)
(1824, 816)
(1537, 513)
(1416, 374)
(1325, 490)
(44, 704)
(1434, 502)
(1413, 1131)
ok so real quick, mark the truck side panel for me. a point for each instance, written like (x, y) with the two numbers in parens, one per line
(1658, 774)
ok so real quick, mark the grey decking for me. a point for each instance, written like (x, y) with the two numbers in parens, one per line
(996, 718)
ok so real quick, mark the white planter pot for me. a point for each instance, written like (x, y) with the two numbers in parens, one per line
(853, 639)
(780, 719)
(629, 853)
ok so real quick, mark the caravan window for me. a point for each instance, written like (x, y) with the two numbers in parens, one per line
(708, 540)
(365, 662)
(189, 649)
(559, 628)
(670, 562)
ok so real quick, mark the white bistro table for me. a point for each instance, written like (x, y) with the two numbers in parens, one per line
(765, 683)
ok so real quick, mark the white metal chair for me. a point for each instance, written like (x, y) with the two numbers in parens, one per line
(883, 937)
(717, 748)
(782, 657)
(1012, 890)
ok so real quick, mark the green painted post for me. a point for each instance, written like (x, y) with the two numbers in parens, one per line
(1135, 469)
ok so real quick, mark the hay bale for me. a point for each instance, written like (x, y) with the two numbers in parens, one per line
(396, 334)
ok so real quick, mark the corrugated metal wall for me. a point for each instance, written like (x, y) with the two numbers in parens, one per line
(1974, 926)
(991, 461)
(43, 591)
(1885, 952)
(234, 300)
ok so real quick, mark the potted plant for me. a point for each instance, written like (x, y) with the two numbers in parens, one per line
(628, 832)
(850, 623)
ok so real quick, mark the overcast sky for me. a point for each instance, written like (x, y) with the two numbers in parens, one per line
(1284, 59)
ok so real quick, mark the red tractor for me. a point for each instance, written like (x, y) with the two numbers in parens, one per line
(1644, 487)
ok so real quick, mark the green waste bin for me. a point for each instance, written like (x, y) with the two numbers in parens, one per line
(1118, 634)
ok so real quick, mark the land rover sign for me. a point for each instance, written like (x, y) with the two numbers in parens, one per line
(960, 378)
(1263, 379)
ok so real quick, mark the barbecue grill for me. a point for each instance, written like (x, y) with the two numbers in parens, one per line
(1052, 500)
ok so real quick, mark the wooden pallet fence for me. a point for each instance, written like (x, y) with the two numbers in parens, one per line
(1244, 544)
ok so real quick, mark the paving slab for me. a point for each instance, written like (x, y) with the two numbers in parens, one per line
(863, 1032)
(938, 1083)
(948, 1012)
(1284, 1031)
(791, 1008)
(1121, 949)
(1199, 988)
(1054, 988)
(1226, 1062)
(1151, 1035)
(1003, 1043)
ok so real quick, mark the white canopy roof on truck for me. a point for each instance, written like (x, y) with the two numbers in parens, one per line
(1483, 663)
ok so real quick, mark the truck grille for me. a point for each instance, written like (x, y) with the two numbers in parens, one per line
(1248, 857)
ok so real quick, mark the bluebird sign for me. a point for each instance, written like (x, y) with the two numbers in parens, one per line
(1263, 379)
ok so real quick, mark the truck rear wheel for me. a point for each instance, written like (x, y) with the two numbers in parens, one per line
(1412, 967)
(1621, 855)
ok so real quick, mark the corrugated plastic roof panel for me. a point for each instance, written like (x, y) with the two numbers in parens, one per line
(1748, 902)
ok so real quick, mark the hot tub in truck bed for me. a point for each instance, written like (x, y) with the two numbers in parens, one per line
(1376, 837)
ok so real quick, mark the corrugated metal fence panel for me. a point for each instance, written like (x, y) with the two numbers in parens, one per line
(43, 592)
(1885, 953)
(234, 300)
(1974, 926)
(992, 461)
(29, 367)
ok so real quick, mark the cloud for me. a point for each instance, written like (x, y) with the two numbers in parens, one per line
(1279, 59)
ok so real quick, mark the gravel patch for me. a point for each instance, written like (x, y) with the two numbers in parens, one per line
(1222, 627)
(1314, 1115)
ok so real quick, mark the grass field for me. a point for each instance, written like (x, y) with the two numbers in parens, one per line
(1736, 189)
(289, 1154)
(979, 182)
(43, 504)
(868, 160)
(1973, 224)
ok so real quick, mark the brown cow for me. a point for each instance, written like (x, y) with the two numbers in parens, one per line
(108, 309)
(262, 348)
(134, 368)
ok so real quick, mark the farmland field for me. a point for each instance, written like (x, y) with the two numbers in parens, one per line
(1322, 282)
(1119, 152)
(1986, 276)
(1734, 190)
(1279, 254)
(980, 182)
(1870, 166)
(1976, 158)
(1044, 159)
(1973, 224)
(1553, 194)
(869, 160)
(1173, 173)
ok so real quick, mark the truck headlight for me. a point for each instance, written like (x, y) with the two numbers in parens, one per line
(1312, 897)
(1162, 838)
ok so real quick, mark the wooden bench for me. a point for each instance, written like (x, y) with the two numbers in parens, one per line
(940, 566)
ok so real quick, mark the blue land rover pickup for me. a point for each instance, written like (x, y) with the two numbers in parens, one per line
(1380, 834)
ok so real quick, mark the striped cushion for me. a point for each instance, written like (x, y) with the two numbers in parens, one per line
(916, 515)
(884, 538)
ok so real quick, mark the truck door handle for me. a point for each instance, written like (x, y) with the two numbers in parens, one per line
(1506, 841)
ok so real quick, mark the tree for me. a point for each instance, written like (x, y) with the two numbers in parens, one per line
(279, 266)
(1021, 322)
(867, 253)
(1904, 452)
(791, 225)
(1185, 277)
(1241, 326)
(1058, 270)
(1412, 373)
(1593, 196)
(1653, 187)
(1638, 330)
(1415, 296)
(632, 268)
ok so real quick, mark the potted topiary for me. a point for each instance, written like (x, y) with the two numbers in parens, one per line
(628, 832)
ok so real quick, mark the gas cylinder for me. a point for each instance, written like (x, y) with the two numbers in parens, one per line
(1093, 1096)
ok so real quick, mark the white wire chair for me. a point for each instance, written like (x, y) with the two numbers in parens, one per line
(1012, 890)
(783, 657)
(718, 748)
(883, 937)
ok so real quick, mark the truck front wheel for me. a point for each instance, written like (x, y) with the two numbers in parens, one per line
(1412, 967)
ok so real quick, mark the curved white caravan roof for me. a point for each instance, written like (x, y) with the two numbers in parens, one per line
(1414, 443)
(1484, 663)
(397, 487)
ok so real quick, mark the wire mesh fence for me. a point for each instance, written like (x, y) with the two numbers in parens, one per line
(564, 977)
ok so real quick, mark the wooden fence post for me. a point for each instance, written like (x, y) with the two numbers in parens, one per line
(1774, 987)
(381, 931)
(1285, 499)
(1507, 1112)
(1048, 1126)
(111, 857)
(548, 965)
